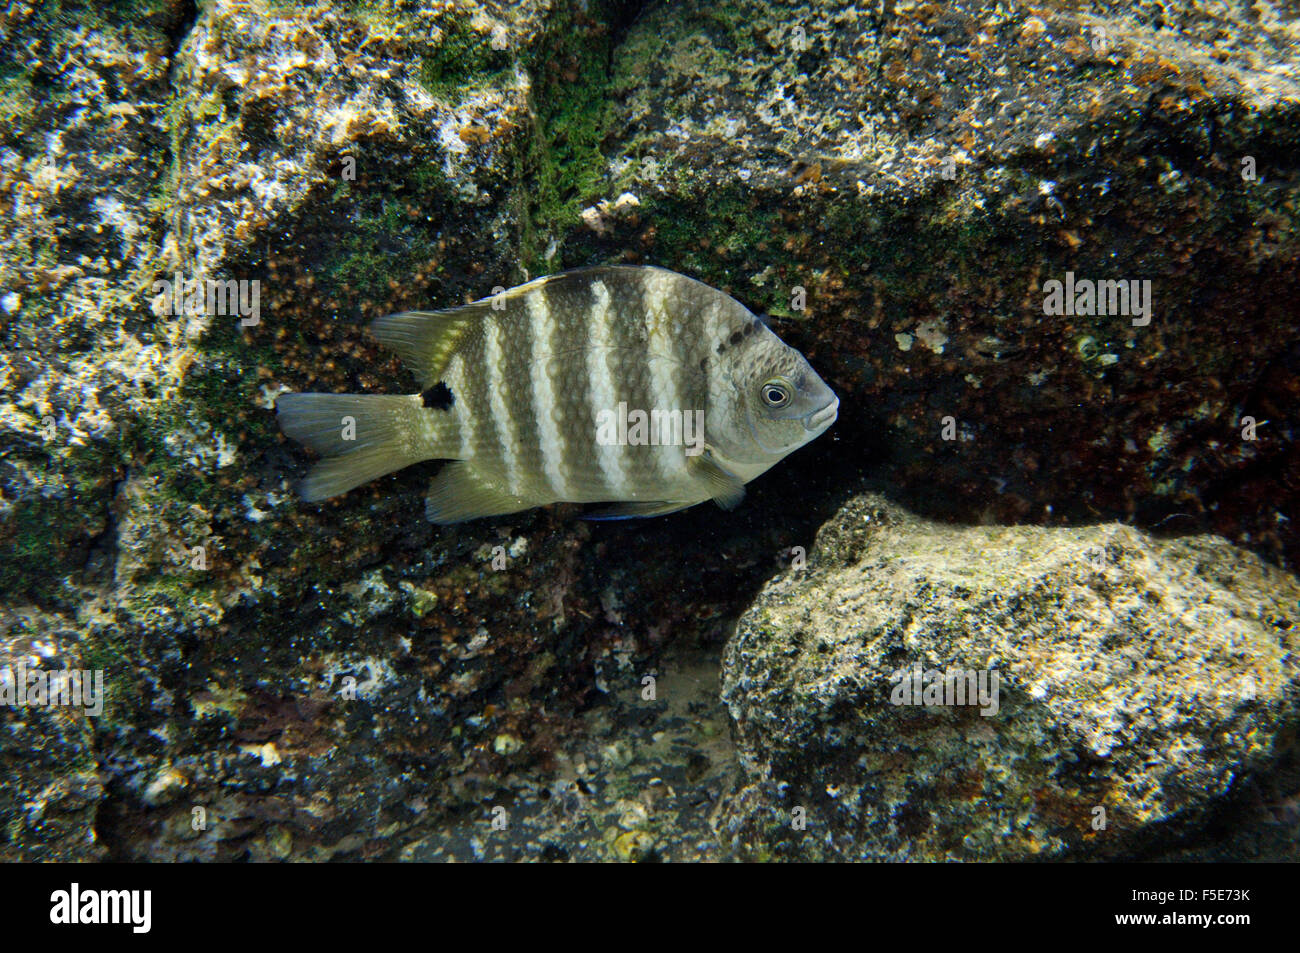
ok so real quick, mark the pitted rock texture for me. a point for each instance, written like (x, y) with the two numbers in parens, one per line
(1138, 679)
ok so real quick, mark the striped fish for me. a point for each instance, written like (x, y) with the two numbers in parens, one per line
(626, 385)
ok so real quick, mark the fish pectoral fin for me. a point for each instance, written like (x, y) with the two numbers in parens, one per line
(459, 492)
(726, 489)
(627, 511)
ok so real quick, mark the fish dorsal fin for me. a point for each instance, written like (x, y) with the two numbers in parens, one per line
(725, 487)
(425, 340)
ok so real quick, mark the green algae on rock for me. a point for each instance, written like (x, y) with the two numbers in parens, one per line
(52, 786)
(143, 484)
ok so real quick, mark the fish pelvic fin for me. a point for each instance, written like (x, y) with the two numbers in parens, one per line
(460, 492)
(362, 437)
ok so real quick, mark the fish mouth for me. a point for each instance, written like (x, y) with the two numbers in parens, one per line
(821, 419)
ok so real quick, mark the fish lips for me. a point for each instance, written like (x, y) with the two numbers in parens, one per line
(819, 420)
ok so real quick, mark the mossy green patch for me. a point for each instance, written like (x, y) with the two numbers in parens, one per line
(429, 177)
(198, 123)
(140, 22)
(389, 239)
(107, 651)
(736, 223)
(565, 167)
(183, 595)
(18, 96)
(464, 59)
(376, 14)
(74, 13)
(45, 539)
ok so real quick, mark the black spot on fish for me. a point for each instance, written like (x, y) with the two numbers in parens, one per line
(439, 397)
(736, 338)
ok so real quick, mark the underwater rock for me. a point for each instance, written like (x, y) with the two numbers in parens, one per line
(51, 787)
(312, 155)
(902, 186)
(1137, 680)
(350, 160)
(338, 681)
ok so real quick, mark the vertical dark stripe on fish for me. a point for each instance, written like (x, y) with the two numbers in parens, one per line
(636, 378)
(607, 378)
(487, 441)
(569, 303)
(519, 346)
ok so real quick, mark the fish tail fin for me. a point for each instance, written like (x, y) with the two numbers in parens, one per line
(362, 437)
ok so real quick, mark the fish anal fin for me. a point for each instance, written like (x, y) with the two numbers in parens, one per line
(459, 493)
(639, 509)
(726, 489)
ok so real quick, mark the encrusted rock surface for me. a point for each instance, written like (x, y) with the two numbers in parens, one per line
(346, 681)
(1137, 680)
(52, 785)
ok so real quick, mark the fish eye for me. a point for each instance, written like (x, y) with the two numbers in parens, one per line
(776, 393)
